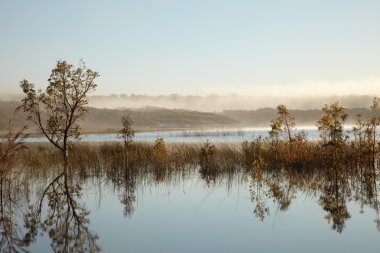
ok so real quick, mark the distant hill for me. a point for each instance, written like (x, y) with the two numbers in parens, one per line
(146, 118)
(262, 117)
(153, 118)
(6, 112)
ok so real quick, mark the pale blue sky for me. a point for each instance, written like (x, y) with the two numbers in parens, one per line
(197, 46)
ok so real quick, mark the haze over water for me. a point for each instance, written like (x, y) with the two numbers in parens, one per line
(193, 79)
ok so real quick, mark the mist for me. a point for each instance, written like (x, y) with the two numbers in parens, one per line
(219, 103)
(215, 102)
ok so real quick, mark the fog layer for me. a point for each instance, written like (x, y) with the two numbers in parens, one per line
(217, 103)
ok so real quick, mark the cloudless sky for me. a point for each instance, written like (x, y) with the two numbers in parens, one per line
(196, 46)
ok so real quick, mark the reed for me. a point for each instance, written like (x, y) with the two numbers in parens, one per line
(275, 171)
(298, 155)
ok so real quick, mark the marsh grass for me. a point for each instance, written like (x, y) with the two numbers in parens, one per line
(276, 172)
(11, 143)
(299, 155)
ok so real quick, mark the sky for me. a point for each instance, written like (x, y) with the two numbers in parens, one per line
(199, 47)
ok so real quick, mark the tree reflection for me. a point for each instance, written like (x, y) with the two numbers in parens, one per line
(11, 239)
(66, 220)
(366, 192)
(260, 210)
(279, 189)
(332, 173)
(128, 197)
(335, 188)
(333, 202)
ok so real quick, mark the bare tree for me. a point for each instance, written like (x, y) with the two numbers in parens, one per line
(57, 110)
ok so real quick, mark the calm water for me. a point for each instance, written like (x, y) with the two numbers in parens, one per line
(185, 212)
(214, 135)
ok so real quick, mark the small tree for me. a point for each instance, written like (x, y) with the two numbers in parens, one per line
(57, 110)
(160, 158)
(160, 152)
(282, 127)
(207, 162)
(127, 133)
(282, 124)
(330, 124)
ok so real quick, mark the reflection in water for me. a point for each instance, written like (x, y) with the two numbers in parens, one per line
(331, 170)
(66, 220)
(128, 196)
(10, 211)
(366, 191)
(47, 201)
(333, 187)
(333, 201)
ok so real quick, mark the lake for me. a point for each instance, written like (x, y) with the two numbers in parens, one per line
(141, 210)
(214, 135)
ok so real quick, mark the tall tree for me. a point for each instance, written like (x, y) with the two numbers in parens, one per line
(57, 110)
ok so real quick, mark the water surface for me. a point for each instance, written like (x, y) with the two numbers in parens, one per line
(125, 210)
(214, 135)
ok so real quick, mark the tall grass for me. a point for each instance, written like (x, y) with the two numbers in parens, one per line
(11, 143)
(277, 172)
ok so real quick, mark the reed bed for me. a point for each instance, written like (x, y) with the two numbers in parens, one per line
(276, 171)
(211, 159)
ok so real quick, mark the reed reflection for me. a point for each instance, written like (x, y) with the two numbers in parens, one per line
(332, 178)
(330, 173)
